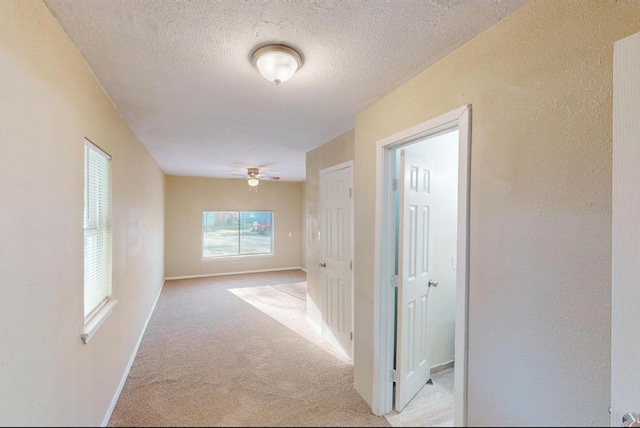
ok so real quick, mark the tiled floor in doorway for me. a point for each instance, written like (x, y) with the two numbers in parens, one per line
(431, 407)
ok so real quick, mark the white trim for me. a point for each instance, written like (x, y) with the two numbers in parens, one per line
(313, 314)
(171, 278)
(98, 149)
(96, 320)
(384, 303)
(337, 167)
(237, 256)
(302, 269)
(116, 396)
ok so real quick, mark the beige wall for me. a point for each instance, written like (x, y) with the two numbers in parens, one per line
(187, 198)
(540, 83)
(334, 152)
(50, 101)
(303, 226)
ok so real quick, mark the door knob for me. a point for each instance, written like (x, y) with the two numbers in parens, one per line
(433, 283)
(631, 419)
(323, 265)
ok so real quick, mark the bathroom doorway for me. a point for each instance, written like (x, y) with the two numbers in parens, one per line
(422, 239)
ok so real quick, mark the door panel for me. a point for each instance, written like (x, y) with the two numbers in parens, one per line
(625, 316)
(335, 237)
(412, 357)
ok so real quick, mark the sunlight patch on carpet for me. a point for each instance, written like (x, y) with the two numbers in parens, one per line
(288, 309)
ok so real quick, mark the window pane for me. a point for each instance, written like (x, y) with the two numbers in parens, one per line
(236, 233)
(220, 234)
(255, 232)
(97, 228)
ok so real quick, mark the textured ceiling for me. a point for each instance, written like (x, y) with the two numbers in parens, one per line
(180, 74)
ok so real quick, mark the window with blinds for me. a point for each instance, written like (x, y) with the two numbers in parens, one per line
(97, 229)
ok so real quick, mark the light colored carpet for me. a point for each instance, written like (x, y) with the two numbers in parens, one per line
(289, 311)
(297, 289)
(209, 358)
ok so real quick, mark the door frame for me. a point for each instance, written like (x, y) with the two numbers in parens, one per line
(343, 165)
(384, 268)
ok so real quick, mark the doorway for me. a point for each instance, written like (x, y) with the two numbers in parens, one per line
(625, 273)
(422, 225)
(336, 264)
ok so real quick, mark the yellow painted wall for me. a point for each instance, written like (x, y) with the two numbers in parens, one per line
(540, 83)
(188, 197)
(49, 102)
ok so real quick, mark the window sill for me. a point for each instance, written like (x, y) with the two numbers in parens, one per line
(242, 256)
(96, 321)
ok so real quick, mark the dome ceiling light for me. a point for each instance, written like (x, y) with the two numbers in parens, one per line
(276, 63)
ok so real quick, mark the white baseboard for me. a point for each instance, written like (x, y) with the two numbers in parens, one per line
(302, 269)
(231, 273)
(313, 313)
(442, 366)
(114, 401)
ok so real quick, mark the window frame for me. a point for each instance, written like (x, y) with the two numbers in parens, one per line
(239, 255)
(92, 227)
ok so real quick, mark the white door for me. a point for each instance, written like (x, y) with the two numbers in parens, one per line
(625, 337)
(413, 368)
(336, 263)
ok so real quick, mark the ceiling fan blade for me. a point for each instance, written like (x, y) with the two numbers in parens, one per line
(269, 177)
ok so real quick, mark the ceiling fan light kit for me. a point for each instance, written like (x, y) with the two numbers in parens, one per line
(254, 177)
(276, 63)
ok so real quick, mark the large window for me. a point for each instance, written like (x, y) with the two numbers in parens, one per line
(237, 233)
(97, 229)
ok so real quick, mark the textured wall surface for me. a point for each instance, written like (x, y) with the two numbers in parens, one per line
(186, 199)
(334, 152)
(49, 102)
(540, 83)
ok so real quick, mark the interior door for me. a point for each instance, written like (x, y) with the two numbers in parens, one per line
(413, 368)
(625, 337)
(336, 263)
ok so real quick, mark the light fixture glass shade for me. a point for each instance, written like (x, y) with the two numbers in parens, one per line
(253, 182)
(277, 63)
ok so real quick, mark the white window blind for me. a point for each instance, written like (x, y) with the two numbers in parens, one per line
(97, 228)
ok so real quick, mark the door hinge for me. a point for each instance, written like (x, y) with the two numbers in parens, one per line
(351, 336)
(394, 376)
(351, 265)
(394, 184)
(350, 192)
(395, 281)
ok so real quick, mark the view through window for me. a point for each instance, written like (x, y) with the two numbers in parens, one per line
(237, 233)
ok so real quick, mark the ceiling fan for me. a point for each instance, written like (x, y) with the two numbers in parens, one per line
(254, 176)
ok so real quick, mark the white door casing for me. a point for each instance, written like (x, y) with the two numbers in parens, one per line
(384, 320)
(336, 257)
(412, 356)
(625, 275)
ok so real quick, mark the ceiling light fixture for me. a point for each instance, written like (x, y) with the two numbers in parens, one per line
(253, 182)
(277, 63)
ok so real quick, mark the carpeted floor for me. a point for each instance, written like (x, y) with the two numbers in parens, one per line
(209, 358)
(296, 289)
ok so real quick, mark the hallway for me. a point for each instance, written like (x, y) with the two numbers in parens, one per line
(209, 358)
